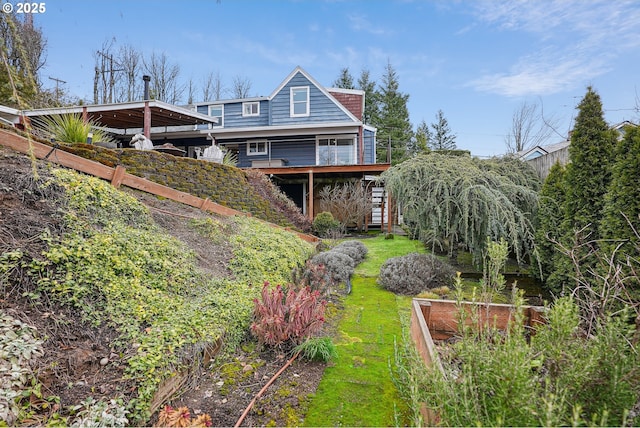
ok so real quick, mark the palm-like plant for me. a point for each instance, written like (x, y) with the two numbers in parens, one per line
(71, 128)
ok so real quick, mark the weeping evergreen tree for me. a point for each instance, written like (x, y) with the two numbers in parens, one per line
(456, 200)
(549, 217)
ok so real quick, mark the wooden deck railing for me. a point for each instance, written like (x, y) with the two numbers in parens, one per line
(118, 176)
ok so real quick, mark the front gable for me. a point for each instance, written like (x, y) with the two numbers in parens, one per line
(322, 106)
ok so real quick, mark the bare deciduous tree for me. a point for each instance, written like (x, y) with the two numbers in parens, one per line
(212, 87)
(349, 203)
(241, 87)
(529, 128)
(128, 82)
(165, 85)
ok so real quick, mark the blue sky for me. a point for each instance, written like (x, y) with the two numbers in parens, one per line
(477, 61)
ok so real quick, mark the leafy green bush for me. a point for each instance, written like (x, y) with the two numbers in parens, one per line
(287, 317)
(414, 273)
(324, 225)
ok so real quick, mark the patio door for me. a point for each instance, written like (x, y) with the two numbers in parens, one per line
(336, 151)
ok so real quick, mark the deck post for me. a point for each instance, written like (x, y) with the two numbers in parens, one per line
(310, 204)
(147, 120)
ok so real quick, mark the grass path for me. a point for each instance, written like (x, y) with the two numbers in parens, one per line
(357, 389)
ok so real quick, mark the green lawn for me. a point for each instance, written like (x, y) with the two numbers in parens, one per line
(357, 389)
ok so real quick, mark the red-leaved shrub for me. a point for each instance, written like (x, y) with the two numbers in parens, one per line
(291, 316)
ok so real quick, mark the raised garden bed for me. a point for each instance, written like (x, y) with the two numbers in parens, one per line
(434, 321)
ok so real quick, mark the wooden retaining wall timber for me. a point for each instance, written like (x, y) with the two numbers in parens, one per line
(118, 176)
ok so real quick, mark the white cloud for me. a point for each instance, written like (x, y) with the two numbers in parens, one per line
(580, 39)
(361, 23)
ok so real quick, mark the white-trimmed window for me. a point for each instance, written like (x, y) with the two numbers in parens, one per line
(299, 101)
(258, 147)
(217, 111)
(336, 151)
(251, 109)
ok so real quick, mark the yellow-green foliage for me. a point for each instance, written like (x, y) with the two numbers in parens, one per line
(118, 268)
(225, 185)
(263, 253)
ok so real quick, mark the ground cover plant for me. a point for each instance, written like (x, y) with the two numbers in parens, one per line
(120, 273)
(357, 389)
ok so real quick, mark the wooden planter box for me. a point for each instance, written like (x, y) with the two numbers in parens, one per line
(438, 320)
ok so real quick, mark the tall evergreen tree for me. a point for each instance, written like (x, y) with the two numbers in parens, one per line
(550, 214)
(587, 181)
(394, 127)
(421, 139)
(371, 98)
(588, 174)
(345, 80)
(443, 138)
(621, 214)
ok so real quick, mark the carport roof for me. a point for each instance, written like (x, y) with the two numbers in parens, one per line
(130, 114)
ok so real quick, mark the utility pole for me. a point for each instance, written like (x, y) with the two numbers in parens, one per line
(107, 88)
(58, 81)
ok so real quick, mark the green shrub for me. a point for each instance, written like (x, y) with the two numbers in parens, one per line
(72, 128)
(324, 225)
(354, 249)
(414, 273)
(558, 378)
(287, 317)
(339, 267)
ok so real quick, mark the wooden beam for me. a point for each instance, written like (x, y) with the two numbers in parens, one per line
(118, 174)
(321, 169)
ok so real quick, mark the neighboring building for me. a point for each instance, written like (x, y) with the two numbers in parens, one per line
(303, 135)
(542, 158)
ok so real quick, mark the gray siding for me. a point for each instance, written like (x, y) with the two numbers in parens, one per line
(544, 163)
(322, 109)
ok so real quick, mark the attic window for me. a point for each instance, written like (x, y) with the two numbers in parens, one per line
(217, 111)
(251, 109)
(299, 101)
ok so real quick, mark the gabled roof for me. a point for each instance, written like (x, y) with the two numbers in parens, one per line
(542, 150)
(321, 88)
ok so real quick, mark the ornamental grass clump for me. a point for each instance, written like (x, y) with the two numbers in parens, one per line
(414, 273)
(287, 317)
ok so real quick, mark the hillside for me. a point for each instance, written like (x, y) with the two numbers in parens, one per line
(108, 295)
